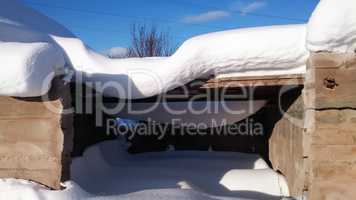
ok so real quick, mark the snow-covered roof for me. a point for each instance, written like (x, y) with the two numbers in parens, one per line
(332, 27)
(34, 48)
(117, 52)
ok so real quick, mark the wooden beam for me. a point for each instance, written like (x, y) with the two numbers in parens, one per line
(259, 87)
(254, 81)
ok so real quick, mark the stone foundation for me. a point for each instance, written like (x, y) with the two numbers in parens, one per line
(35, 142)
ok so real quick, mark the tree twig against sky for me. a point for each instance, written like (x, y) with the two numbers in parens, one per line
(148, 41)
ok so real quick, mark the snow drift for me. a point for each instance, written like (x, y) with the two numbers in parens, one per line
(281, 50)
(254, 51)
(29, 56)
(48, 47)
(332, 27)
(107, 172)
(117, 52)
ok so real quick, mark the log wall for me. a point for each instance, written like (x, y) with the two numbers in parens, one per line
(35, 142)
(318, 157)
(286, 147)
(331, 106)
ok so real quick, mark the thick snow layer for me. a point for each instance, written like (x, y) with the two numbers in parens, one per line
(248, 52)
(29, 57)
(28, 68)
(332, 27)
(255, 51)
(107, 172)
(116, 52)
(33, 47)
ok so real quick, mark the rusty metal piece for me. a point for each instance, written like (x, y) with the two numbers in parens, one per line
(330, 83)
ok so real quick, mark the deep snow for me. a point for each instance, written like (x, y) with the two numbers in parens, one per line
(29, 56)
(332, 27)
(48, 47)
(106, 171)
(253, 51)
(116, 52)
(280, 51)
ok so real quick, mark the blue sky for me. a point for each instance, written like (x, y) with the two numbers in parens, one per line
(106, 23)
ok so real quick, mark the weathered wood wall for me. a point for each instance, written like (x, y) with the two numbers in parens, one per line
(331, 108)
(35, 142)
(318, 157)
(286, 146)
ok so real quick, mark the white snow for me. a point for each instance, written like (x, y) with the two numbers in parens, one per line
(29, 57)
(262, 51)
(106, 171)
(332, 27)
(28, 68)
(116, 52)
(254, 51)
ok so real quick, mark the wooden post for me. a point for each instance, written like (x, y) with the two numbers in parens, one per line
(36, 137)
(286, 143)
(331, 109)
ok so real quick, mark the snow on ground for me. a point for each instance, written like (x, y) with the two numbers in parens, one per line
(107, 172)
(247, 52)
(332, 27)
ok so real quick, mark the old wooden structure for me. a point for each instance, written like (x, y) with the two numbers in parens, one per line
(310, 128)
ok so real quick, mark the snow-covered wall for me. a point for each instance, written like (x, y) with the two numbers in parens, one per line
(332, 27)
(28, 55)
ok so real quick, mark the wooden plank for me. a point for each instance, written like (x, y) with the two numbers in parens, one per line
(231, 88)
(330, 96)
(335, 88)
(254, 78)
(333, 180)
(332, 81)
(256, 81)
(34, 141)
(286, 147)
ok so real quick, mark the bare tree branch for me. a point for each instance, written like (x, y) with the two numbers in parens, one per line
(147, 41)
